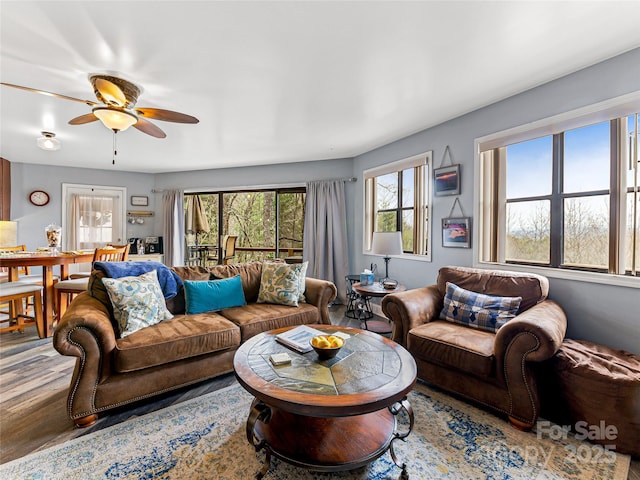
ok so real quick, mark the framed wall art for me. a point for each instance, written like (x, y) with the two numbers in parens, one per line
(139, 201)
(456, 232)
(446, 180)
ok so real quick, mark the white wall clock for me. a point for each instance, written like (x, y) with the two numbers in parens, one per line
(39, 198)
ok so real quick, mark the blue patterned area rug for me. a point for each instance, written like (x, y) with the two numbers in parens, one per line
(204, 438)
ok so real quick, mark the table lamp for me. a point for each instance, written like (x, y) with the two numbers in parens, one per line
(8, 233)
(387, 243)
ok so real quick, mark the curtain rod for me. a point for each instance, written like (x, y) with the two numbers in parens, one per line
(349, 180)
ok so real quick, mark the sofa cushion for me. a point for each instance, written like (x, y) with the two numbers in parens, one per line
(255, 318)
(213, 295)
(282, 284)
(531, 287)
(184, 336)
(137, 302)
(250, 273)
(454, 346)
(177, 305)
(476, 310)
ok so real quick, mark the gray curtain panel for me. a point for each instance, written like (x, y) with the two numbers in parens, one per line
(325, 233)
(173, 230)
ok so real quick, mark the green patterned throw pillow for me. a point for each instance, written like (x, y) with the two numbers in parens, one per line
(137, 302)
(282, 283)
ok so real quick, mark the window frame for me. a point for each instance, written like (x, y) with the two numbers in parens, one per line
(422, 200)
(276, 190)
(489, 192)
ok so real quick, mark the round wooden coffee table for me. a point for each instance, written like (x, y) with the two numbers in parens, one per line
(329, 415)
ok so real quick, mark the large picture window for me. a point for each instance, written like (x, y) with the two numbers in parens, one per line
(397, 199)
(564, 194)
(267, 224)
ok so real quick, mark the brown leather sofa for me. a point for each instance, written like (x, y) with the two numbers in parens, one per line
(493, 369)
(187, 349)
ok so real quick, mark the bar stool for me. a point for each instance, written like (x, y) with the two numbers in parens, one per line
(352, 297)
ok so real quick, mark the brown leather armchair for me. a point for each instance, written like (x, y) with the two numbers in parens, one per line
(493, 369)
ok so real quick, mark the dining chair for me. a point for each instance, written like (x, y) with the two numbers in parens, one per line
(228, 250)
(67, 289)
(15, 308)
(13, 293)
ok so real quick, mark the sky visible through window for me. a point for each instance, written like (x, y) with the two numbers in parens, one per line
(587, 156)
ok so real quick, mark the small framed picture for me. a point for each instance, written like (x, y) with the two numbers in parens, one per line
(456, 232)
(446, 180)
(139, 201)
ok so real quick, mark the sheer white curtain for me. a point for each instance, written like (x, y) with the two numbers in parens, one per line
(91, 221)
(173, 208)
(325, 233)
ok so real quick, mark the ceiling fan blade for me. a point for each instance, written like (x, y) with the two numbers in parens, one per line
(166, 115)
(149, 128)
(109, 93)
(43, 92)
(82, 119)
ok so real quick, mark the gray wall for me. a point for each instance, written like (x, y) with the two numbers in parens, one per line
(605, 314)
(32, 220)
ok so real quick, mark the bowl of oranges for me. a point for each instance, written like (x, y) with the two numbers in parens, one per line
(327, 346)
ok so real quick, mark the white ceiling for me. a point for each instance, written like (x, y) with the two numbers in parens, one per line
(275, 82)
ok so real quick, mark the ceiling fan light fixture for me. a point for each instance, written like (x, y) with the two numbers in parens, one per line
(48, 141)
(114, 119)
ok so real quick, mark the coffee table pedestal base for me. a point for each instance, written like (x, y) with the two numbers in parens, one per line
(326, 444)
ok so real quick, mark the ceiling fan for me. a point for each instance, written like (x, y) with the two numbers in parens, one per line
(116, 107)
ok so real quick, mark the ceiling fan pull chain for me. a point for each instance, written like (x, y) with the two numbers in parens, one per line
(115, 152)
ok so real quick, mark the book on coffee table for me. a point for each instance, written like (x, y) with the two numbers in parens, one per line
(298, 338)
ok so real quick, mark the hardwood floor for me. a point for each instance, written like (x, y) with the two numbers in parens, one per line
(34, 380)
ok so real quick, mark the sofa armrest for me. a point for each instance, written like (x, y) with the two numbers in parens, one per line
(544, 325)
(533, 336)
(320, 293)
(410, 309)
(85, 331)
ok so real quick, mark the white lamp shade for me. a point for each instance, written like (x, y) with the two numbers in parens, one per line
(387, 243)
(115, 119)
(8, 233)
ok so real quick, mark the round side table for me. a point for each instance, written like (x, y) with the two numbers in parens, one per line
(366, 292)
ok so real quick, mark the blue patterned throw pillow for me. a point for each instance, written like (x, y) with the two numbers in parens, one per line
(137, 302)
(477, 310)
(282, 283)
(213, 295)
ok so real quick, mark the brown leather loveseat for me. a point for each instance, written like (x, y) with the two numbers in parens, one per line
(112, 371)
(491, 368)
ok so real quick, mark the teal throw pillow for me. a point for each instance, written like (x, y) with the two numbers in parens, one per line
(477, 310)
(213, 295)
(282, 284)
(138, 302)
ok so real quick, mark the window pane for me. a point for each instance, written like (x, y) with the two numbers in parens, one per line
(209, 203)
(290, 223)
(633, 139)
(407, 188)
(387, 222)
(407, 230)
(250, 216)
(529, 168)
(387, 191)
(586, 231)
(586, 158)
(528, 226)
(632, 242)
